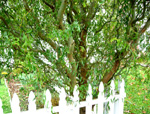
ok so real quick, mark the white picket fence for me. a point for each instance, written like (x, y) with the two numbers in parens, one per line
(115, 101)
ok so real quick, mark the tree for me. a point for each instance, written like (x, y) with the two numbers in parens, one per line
(77, 41)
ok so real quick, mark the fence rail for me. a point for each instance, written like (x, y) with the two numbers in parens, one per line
(115, 101)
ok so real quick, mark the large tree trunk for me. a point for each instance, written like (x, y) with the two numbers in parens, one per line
(82, 69)
(83, 63)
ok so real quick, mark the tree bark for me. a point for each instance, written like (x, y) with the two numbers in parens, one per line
(82, 69)
(110, 74)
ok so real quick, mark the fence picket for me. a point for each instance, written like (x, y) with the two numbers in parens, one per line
(76, 100)
(122, 95)
(89, 100)
(116, 105)
(31, 100)
(62, 102)
(15, 104)
(122, 90)
(94, 110)
(101, 98)
(1, 109)
(48, 103)
(112, 93)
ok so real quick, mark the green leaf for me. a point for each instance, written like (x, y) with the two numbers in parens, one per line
(114, 39)
(29, 31)
(82, 48)
(84, 4)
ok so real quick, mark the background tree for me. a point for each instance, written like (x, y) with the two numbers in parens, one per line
(69, 42)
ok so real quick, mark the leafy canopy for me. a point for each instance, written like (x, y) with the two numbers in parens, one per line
(68, 42)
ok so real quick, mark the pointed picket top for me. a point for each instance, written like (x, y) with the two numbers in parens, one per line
(1, 109)
(101, 87)
(89, 96)
(57, 89)
(119, 84)
(101, 91)
(90, 89)
(122, 90)
(15, 99)
(76, 100)
(48, 103)
(94, 110)
(101, 98)
(15, 104)
(122, 84)
(112, 87)
(62, 93)
(76, 94)
(31, 96)
(62, 100)
(31, 100)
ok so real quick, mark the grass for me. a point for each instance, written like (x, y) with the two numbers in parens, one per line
(138, 92)
(4, 96)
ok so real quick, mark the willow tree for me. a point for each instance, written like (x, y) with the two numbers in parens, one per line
(71, 42)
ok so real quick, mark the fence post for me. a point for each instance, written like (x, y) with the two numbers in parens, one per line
(15, 104)
(101, 98)
(89, 100)
(1, 109)
(31, 100)
(112, 93)
(117, 107)
(94, 110)
(48, 103)
(121, 98)
(76, 101)
(62, 102)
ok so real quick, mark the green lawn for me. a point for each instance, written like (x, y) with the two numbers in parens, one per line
(4, 96)
(137, 84)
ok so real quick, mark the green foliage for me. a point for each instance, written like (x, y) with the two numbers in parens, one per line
(74, 42)
(4, 96)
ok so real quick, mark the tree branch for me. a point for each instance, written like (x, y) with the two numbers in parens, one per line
(11, 30)
(144, 65)
(4, 21)
(60, 13)
(26, 5)
(70, 17)
(49, 41)
(91, 11)
(109, 75)
(72, 7)
(145, 27)
(61, 68)
(71, 45)
(132, 2)
(43, 37)
(49, 5)
(143, 14)
(97, 31)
